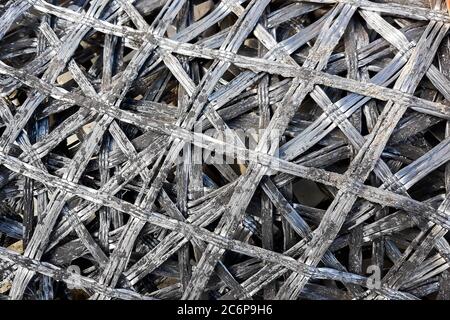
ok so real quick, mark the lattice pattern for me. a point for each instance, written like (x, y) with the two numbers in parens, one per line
(224, 149)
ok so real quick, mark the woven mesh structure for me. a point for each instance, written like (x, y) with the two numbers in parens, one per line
(224, 149)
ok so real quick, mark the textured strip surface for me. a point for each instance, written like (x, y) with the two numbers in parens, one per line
(224, 149)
